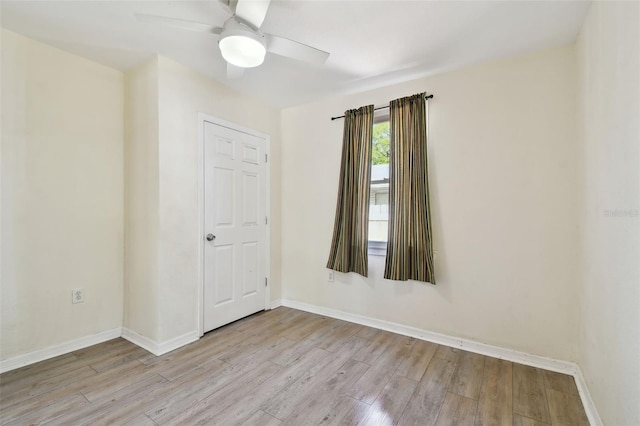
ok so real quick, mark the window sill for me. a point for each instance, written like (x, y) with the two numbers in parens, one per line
(377, 248)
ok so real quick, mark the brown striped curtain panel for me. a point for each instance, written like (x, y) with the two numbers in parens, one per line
(351, 227)
(409, 246)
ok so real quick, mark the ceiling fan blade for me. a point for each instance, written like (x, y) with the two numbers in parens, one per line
(292, 49)
(179, 23)
(252, 11)
(234, 72)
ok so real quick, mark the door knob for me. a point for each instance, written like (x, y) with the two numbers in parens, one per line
(211, 237)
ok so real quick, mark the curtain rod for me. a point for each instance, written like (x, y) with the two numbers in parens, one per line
(377, 109)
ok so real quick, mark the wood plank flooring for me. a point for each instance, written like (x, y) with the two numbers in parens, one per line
(287, 367)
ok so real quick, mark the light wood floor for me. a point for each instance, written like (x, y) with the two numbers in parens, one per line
(287, 367)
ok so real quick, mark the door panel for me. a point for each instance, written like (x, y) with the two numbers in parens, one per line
(250, 200)
(223, 274)
(223, 184)
(224, 147)
(249, 154)
(235, 212)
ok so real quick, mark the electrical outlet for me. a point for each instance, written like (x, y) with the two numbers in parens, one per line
(77, 295)
(330, 276)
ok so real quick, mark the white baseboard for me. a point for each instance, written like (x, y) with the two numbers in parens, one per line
(587, 401)
(159, 348)
(83, 342)
(57, 350)
(140, 340)
(176, 342)
(276, 303)
(559, 366)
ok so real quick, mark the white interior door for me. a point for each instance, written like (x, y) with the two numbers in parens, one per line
(235, 252)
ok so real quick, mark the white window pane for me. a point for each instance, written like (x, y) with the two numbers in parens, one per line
(378, 230)
(379, 200)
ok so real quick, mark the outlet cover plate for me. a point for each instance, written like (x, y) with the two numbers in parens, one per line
(77, 295)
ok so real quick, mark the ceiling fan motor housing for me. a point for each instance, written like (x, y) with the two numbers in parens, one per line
(241, 45)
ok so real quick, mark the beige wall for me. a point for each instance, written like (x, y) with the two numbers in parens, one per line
(609, 80)
(504, 182)
(181, 95)
(62, 196)
(141, 310)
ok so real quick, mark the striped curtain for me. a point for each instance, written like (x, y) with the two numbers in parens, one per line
(351, 226)
(409, 246)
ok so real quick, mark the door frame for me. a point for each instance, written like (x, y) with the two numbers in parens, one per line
(202, 118)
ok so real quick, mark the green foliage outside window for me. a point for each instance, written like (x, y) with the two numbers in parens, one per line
(380, 143)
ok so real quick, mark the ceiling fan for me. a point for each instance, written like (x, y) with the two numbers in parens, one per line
(241, 42)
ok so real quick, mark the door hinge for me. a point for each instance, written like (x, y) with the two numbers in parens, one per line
(266, 158)
(265, 281)
(266, 220)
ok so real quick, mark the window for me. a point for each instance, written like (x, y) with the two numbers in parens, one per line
(379, 196)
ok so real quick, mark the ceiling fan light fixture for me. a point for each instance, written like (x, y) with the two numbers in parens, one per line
(242, 45)
(242, 51)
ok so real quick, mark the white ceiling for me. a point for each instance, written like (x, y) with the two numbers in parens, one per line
(372, 43)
